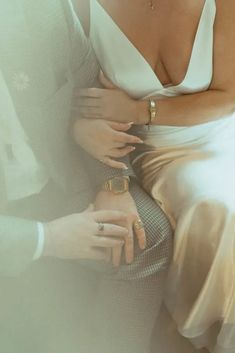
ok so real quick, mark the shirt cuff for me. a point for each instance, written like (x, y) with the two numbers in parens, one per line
(40, 243)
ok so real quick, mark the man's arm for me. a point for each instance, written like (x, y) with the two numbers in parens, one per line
(73, 237)
(18, 243)
(84, 65)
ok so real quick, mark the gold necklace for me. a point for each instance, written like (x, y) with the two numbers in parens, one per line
(151, 5)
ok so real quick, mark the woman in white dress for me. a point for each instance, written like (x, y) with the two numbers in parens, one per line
(178, 56)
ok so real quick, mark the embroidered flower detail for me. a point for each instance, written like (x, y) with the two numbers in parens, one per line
(21, 81)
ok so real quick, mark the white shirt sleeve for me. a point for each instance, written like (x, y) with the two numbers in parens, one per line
(41, 242)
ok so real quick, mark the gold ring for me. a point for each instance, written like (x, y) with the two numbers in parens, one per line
(138, 224)
(100, 227)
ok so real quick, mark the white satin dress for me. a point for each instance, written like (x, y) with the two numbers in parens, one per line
(190, 172)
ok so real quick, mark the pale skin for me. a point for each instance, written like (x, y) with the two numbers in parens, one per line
(164, 44)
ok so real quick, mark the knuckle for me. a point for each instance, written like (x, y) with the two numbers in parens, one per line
(114, 135)
(121, 136)
(114, 152)
(129, 238)
(132, 216)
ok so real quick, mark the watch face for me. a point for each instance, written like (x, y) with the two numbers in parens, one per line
(118, 185)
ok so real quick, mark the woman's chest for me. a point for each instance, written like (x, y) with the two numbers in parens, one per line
(164, 36)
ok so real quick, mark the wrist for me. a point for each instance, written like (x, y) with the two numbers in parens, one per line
(142, 112)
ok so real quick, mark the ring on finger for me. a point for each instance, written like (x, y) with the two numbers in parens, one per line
(100, 226)
(138, 224)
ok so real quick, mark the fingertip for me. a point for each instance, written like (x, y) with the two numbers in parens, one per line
(127, 126)
(129, 260)
(117, 166)
(124, 127)
(116, 261)
(129, 256)
(120, 167)
(142, 240)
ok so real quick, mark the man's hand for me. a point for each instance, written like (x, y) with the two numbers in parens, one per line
(85, 235)
(125, 203)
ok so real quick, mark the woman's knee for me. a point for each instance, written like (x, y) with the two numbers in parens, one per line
(212, 207)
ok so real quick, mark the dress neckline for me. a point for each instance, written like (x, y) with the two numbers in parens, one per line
(132, 46)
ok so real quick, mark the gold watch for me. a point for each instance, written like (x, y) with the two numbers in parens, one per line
(117, 185)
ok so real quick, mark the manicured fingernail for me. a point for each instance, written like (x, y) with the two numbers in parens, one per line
(133, 148)
(131, 123)
(125, 167)
(140, 141)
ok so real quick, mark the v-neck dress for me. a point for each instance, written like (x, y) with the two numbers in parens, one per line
(190, 172)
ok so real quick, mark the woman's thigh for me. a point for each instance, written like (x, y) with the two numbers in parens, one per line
(208, 174)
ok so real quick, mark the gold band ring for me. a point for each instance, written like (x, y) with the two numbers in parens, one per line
(138, 224)
(100, 227)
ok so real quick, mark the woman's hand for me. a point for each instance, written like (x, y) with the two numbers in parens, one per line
(87, 235)
(109, 103)
(105, 140)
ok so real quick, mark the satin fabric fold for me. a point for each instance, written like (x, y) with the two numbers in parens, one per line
(194, 183)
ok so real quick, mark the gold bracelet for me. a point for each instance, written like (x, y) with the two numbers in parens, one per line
(152, 111)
